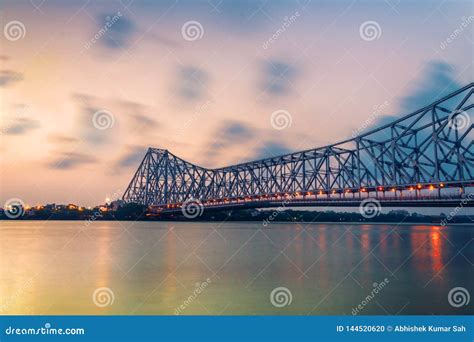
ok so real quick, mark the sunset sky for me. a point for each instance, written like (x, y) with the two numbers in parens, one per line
(207, 98)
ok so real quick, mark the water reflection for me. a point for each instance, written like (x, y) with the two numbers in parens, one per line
(436, 250)
(154, 268)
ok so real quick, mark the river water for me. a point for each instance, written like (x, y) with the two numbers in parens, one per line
(166, 268)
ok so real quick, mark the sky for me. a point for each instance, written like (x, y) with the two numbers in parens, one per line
(87, 86)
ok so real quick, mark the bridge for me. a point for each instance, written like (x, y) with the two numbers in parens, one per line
(425, 158)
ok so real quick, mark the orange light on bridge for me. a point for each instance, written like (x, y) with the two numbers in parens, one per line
(411, 188)
(419, 186)
(441, 185)
(431, 187)
(393, 189)
(320, 192)
(380, 188)
(363, 189)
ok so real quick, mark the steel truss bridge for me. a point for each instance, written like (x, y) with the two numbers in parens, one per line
(425, 158)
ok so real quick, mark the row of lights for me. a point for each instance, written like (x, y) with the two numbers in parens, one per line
(309, 193)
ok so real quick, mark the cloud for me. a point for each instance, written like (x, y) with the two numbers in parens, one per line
(438, 80)
(143, 122)
(71, 160)
(21, 126)
(131, 157)
(248, 15)
(137, 119)
(277, 77)
(229, 133)
(119, 30)
(61, 139)
(8, 77)
(271, 149)
(89, 106)
(191, 82)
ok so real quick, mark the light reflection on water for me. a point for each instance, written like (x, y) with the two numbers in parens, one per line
(153, 268)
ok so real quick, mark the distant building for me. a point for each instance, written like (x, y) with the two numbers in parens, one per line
(51, 206)
(116, 204)
(399, 212)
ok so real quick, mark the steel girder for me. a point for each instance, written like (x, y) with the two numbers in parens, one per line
(433, 145)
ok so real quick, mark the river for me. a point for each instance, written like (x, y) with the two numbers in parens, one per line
(166, 268)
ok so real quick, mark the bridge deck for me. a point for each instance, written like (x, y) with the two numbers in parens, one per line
(427, 201)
